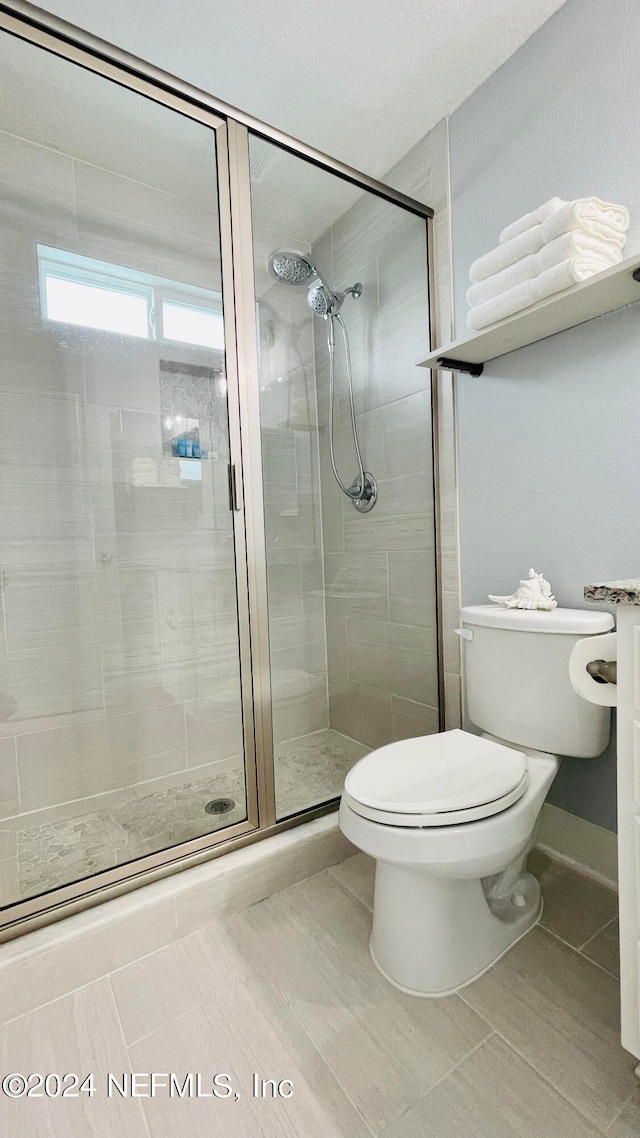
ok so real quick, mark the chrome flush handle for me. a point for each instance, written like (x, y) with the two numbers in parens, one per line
(603, 671)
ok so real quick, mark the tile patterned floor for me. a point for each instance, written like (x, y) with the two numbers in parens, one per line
(287, 989)
(308, 771)
(314, 772)
(68, 850)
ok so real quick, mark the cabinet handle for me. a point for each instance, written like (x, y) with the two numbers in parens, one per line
(235, 488)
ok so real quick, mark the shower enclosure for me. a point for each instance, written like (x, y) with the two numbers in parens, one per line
(217, 534)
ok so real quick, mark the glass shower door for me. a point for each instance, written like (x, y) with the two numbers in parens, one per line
(124, 709)
(351, 578)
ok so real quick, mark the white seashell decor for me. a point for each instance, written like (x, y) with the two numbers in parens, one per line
(535, 593)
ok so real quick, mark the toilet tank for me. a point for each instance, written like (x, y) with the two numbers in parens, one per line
(516, 677)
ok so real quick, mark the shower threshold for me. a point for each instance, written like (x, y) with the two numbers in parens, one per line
(309, 771)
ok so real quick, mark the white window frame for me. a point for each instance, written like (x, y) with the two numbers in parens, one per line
(66, 265)
(209, 301)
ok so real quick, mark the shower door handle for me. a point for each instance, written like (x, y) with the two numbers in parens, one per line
(235, 488)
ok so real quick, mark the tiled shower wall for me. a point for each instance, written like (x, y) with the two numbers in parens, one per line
(293, 529)
(118, 638)
(380, 568)
(424, 173)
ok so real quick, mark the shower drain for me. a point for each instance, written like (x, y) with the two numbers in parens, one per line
(219, 806)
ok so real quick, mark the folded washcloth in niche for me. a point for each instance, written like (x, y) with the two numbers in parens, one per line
(599, 253)
(551, 281)
(583, 211)
(534, 239)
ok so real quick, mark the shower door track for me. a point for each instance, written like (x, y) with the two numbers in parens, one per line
(231, 128)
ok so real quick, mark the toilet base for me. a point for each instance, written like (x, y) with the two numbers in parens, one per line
(453, 991)
(432, 936)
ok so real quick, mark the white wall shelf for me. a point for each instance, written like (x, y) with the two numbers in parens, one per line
(605, 292)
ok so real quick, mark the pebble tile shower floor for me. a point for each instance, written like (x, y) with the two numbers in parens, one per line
(308, 771)
(286, 989)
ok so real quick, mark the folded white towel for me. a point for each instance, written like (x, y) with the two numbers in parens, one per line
(169, 472)
(599, 254)
(536, 217)
(582, 213)
(601, 219)
(551, 281)
(144, 472)
(564, 220)
(531, 241)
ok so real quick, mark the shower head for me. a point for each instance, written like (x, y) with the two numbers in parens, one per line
(295, 269)
(322, 301)
(291, 267)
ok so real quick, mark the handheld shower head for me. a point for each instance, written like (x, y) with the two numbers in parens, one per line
(322, 301)
(291, 267)
(295, 268)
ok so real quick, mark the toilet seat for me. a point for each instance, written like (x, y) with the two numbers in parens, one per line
(436, 780)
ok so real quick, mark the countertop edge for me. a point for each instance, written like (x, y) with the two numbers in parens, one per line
(615, 592)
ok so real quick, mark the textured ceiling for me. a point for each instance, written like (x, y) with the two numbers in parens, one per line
(362, 80)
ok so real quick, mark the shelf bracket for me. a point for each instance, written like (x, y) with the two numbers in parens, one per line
(459, 365)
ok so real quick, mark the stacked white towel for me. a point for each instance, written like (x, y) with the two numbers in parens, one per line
(545, 252)
(144, 472)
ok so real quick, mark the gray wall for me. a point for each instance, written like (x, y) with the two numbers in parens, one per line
(549, 437)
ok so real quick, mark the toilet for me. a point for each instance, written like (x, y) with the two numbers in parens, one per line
(451, 817)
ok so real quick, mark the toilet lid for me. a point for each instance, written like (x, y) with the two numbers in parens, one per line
(433, 774)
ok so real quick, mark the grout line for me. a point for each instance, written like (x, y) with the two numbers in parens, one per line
(346, 889)
(323, 1059)
(589, 939)
(622, 1109)
(14, 1019)
(94, 980)
(424, 1094)
(579, 952)
(114, 1003)
(167, 1024)
(601, 968)
(265, 969)
(526, 1059)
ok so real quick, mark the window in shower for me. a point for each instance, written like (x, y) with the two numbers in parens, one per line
(112, 298)
(341, 278)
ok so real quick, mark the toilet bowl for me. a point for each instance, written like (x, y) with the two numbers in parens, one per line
(450, 817)
(451, 895)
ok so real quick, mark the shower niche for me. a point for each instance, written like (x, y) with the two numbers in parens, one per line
(193, 409)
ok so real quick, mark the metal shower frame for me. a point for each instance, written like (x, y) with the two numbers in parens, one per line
(232, 130)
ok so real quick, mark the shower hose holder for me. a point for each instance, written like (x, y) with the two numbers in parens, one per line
(364, 501)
